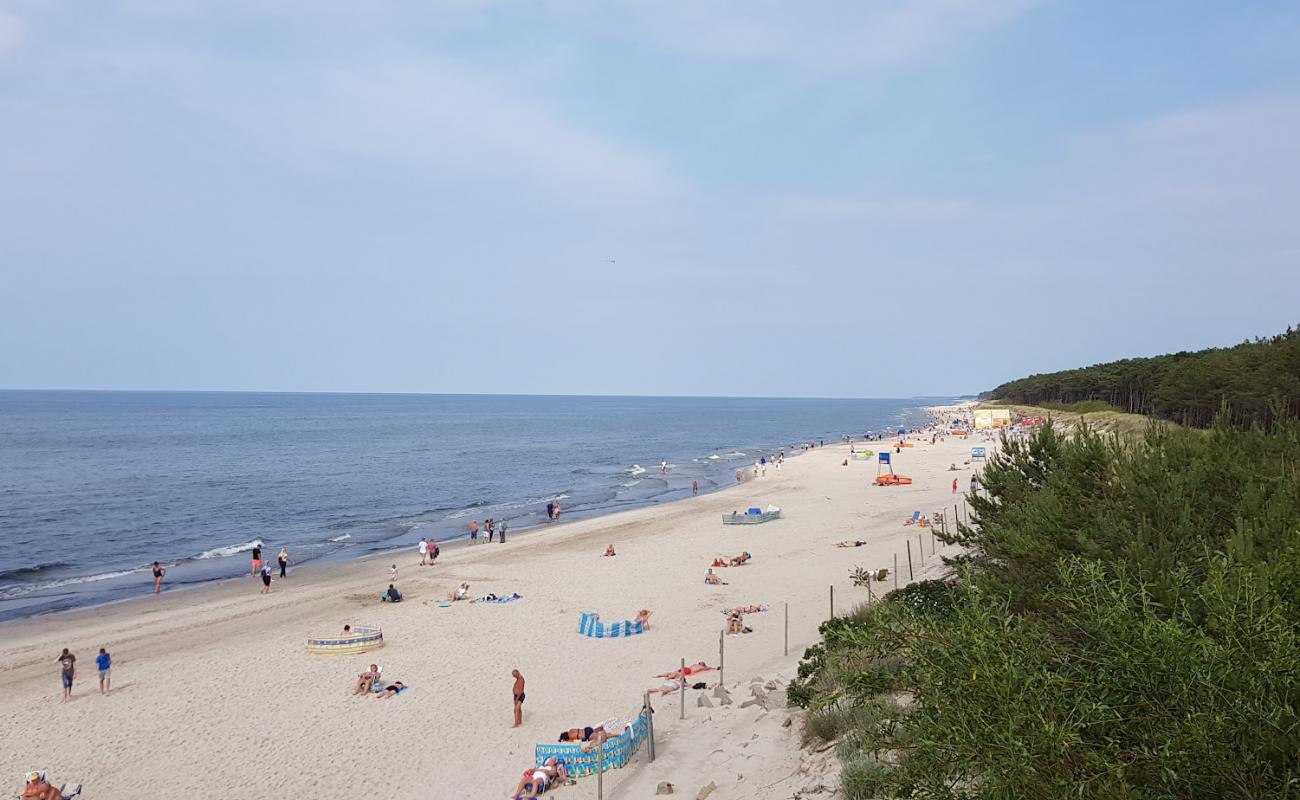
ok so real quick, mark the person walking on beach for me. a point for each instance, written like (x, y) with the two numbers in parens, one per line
(68, 663)
(954, 486)
(392, 573)
(104, 662)
(283, 558)
(257, 557)
(491, 529)
(695, 487)
(518, 694)
(550, 512)
(266, 578)
(158, 573)
(974, 485)
(503, 532)
(473, 532)
(424, 551)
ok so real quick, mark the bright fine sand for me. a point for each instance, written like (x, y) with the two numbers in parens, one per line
(215, 696)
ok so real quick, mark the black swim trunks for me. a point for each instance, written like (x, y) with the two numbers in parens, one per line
(266, 579)
(519, 698)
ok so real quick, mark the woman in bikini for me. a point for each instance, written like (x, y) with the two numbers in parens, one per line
(687, 671)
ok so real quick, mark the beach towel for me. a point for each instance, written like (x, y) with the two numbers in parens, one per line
(589, 624)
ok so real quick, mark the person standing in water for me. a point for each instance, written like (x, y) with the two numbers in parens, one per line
(503, 532)
(695, 487)
(257, 557)
(266, 578)
(158, 573)
(283, 558)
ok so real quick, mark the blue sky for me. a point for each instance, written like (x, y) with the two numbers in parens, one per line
(815, 199)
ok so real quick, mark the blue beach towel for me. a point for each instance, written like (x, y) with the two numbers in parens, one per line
(589, 624)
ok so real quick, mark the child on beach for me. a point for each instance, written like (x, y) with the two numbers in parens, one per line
(266, 578)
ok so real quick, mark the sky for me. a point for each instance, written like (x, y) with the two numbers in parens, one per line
(873, 198)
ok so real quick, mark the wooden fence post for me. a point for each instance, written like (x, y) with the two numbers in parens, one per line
(910, 575)
(682, 681)
(787, 629)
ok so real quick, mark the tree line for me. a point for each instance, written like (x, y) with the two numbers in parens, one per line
(1255, 381)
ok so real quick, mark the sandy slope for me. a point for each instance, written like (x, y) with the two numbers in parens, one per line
(215, 696)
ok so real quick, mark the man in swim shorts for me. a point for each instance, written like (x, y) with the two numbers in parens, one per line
(518, 692)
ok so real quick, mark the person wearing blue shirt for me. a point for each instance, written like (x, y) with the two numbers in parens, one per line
(104, 662)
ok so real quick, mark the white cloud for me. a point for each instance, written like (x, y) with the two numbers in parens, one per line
(12, 31)
(826, 35)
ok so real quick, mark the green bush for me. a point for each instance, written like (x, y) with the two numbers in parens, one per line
(1127, 626)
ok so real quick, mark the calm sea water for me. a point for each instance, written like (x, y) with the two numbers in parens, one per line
(96, 485)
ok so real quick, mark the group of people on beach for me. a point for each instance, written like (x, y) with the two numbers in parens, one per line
(490, 526)
(67, 662)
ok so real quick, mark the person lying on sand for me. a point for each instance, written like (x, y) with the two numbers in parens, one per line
(609, 551)
(609, 729)
(850, 543)
(643, 617)
(577, 734)
(711, 578)
(460, 593)
(493, 597)
(391, 690)
(741, 559)
(744, 610)
(536, 779)
(688, 670)
(366, 680)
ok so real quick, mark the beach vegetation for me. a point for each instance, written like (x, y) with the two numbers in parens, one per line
(1125, 623)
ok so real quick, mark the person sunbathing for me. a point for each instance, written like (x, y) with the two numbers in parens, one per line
(741, 560)
(366, 680)
(36, 787)
(577, 734)
(643, 617)
(609, 551)
(711, 578)
(611, 728)
(666, 688)
(850, 543)
(461, 593)
(391, 690)
(687, 671)
(719, 561)
(751, 609)
(536, 779)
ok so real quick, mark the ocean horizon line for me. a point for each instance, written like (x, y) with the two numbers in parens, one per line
(558, 395)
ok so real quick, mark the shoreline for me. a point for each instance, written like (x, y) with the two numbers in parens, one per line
(215, 682)
(120, 580)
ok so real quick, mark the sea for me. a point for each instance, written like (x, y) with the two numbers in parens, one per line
(95, 486)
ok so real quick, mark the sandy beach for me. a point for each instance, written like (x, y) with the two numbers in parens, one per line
(215, 696)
